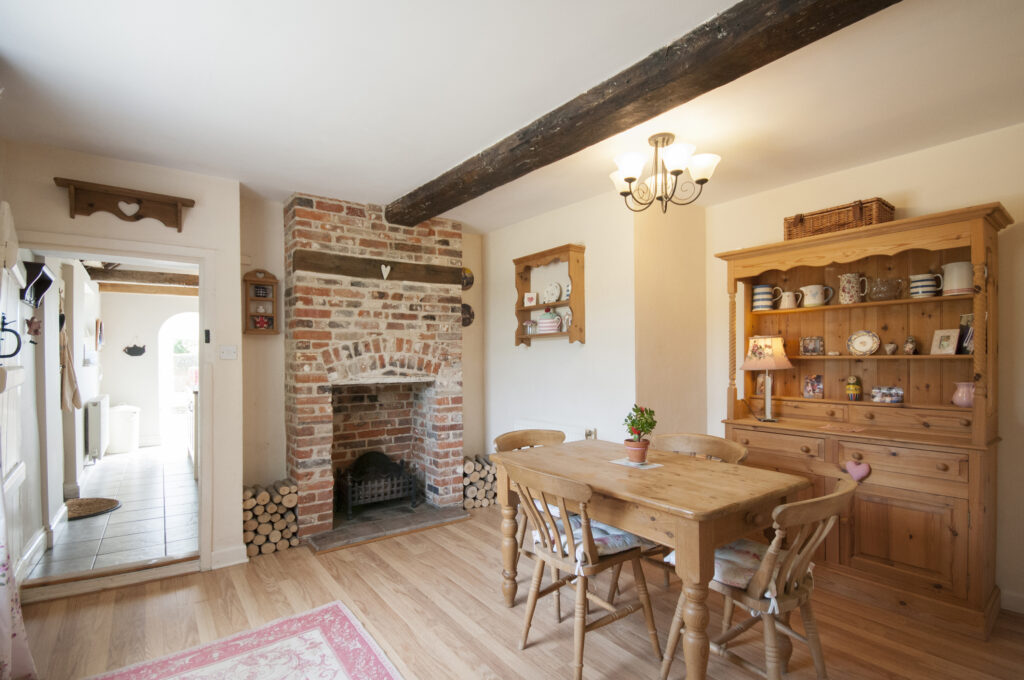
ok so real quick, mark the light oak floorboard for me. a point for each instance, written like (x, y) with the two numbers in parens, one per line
(433, 602)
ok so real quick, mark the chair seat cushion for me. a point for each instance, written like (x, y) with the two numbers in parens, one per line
(608, 539)
(735, 563)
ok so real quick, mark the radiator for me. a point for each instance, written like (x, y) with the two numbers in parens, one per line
(97, 426)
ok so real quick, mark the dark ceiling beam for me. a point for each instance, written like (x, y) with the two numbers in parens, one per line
(142, 277)
(745, 37)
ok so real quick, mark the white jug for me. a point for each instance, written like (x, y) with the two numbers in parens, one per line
(958, 278)
(814, 296)
(790, 300)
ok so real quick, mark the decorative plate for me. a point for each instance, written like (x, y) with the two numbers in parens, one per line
(566, 319)
(568, 290)
(467, 315)
(863, 343)
(552, 293)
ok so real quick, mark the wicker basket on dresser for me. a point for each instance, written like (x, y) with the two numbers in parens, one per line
(920, 538)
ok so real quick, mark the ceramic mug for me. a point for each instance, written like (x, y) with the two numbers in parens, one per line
(814, 296)
(790, 299)
(764, 296)
(851, 288)
(924, 285)
(959, 278)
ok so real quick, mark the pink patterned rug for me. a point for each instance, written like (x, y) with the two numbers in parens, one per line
(327, 643)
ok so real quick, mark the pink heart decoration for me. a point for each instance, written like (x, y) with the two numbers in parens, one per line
(858, 470)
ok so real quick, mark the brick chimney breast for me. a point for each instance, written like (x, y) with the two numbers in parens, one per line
(373, 343)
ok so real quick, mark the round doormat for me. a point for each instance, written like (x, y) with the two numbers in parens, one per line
(79, 508)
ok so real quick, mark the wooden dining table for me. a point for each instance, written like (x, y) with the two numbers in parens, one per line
(691, 504)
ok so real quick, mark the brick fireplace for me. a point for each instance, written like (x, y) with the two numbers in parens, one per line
(373, 349)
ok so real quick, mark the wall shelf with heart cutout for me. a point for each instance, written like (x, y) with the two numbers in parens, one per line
(130, 205)
(259, 292)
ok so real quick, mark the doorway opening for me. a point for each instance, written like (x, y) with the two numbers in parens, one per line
(133, 334)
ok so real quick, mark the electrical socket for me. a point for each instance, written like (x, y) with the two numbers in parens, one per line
(590, 433)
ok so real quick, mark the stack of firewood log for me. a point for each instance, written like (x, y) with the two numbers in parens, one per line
(268, 517)
(478, 483)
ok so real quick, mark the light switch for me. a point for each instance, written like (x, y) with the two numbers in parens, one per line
(228, 351)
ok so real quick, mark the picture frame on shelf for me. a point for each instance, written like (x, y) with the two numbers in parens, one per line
(965, 343)
(812, 346)
(814, 387)
(945, 341)
(529, 299)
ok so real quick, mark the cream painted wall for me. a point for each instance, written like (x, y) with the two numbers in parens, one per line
(474, 442)
(671, 373)
(132, 319)
(263, 355)
(554, 382)
(917, 184)
(210, 238)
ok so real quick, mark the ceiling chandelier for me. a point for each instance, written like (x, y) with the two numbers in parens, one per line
(665, 183)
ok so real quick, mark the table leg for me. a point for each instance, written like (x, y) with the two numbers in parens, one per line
(695, 565)
(509, 546)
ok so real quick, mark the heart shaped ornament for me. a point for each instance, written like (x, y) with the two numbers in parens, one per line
(385, 270)
(858, 471)
(127, 208)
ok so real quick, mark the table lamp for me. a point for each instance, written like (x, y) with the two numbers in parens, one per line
(766, 353)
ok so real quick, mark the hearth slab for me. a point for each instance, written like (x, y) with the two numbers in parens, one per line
(383, 520)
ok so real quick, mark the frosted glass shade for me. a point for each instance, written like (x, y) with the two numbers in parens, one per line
(766, 353)
(631, 164)
(621, 186)
(677, 156)
(703, 165)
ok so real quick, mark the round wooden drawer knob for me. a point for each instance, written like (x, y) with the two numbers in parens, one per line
(941, 467)
(857, 456)
(757, 519)
(966, 422)
(869, 416)
(830, 412)
(805, 449)
(744, 441)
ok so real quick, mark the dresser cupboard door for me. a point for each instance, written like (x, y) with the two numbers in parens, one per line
(914, 538)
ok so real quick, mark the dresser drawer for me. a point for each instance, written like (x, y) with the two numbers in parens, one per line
(929, 471)
(789, 445)
(933, 421)
(809, 409)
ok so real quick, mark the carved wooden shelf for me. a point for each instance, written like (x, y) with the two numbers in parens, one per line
(572, 254)
(130, 205)
(259, 295)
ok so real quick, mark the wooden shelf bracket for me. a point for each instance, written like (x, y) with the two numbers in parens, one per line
(130, 205)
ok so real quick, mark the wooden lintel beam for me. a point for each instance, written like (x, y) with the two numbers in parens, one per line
(145, 289)
(367, 268)
(745, 37)
(131, 276)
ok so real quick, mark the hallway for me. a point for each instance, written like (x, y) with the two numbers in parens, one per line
(158, 516)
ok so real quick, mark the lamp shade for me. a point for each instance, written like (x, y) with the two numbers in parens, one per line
(677, 156)
(702, 166)
(631, 164)
(766, 353)
(621, 186)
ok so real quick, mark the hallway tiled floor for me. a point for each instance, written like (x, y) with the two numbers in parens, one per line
(158, 516)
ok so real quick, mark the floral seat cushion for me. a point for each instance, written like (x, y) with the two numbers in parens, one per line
(735, 563)
(608, 539)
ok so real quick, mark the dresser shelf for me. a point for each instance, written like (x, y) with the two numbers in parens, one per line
(572, 255)
(861, 305)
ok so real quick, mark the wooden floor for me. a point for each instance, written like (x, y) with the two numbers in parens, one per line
(433, 602)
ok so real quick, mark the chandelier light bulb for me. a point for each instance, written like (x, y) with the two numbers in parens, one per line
(621, 186)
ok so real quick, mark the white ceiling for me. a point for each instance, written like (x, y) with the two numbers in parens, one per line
(366, 101)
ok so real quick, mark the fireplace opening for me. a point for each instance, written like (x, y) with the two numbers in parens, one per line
(374, 478)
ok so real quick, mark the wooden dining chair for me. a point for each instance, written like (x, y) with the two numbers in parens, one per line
(771, 581)
(516, 440)
(569, 540)
(525, 439)
(704, 446)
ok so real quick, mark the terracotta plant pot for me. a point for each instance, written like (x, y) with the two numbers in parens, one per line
(637, 450)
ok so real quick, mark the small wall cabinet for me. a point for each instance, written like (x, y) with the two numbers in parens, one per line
(259, 303)
(920, 537)
(572, 254)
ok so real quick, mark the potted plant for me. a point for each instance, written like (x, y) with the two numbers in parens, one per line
(639, 423)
